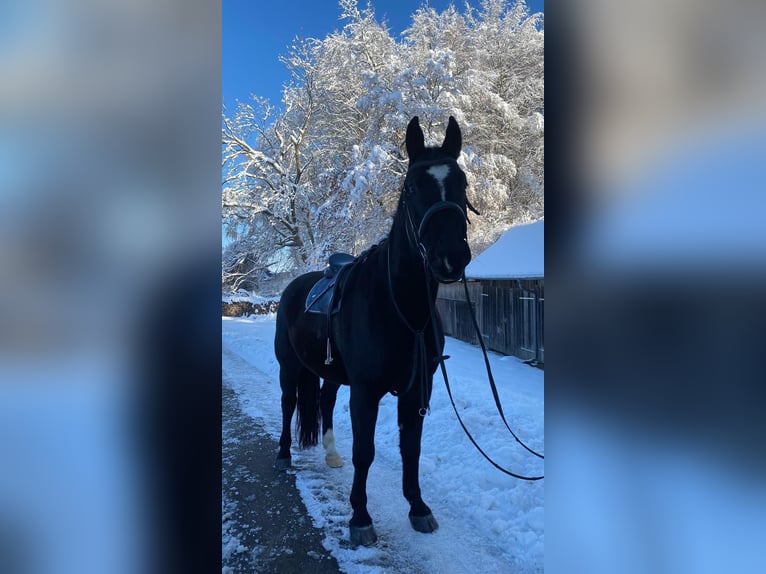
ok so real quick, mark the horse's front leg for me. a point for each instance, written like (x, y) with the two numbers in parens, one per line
(364, 415)
(327, 404)
(410, 432)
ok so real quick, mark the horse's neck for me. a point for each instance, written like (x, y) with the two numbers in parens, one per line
(408, 275)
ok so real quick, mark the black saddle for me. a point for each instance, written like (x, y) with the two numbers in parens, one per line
(323, 297)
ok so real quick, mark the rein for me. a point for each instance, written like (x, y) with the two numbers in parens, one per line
(432, 310)
(419, 356)
(489, 371)
(420, 351)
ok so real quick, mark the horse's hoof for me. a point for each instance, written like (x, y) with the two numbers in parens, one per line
(424, 523)
(283, 463)
(333, 460)
(363, 535)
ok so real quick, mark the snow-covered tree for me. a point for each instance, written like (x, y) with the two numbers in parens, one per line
(324, 174)
(267, 195)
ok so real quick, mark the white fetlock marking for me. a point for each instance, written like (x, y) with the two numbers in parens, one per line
(328, 441)
(331, 457)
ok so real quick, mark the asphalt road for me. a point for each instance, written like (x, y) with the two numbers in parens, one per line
(266, 528)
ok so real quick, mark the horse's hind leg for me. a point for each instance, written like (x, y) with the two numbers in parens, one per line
(327, 404)
(288, 381)
(289, 377)
(300, 387)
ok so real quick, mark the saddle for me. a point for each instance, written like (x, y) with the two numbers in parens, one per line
(324, 298)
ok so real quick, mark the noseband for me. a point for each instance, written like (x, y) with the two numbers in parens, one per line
(436, 208)
(414, 235)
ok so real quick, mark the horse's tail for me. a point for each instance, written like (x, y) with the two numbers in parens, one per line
(309, 414)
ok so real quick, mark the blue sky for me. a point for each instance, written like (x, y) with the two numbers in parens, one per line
(256, 32)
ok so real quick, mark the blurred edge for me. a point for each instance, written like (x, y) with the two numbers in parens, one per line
(655, 394)
(109, 290)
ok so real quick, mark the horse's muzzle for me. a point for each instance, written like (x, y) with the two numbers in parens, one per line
(448, 266)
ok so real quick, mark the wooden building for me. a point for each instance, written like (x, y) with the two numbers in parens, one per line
(506, 287)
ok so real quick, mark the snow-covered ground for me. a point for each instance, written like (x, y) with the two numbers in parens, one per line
(488, 521)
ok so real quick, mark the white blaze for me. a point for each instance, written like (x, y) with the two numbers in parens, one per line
(440, 173)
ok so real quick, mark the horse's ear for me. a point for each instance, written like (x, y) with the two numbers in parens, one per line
(415, 141)
(453, 141)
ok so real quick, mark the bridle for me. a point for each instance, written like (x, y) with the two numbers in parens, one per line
(414, 238)
(414, 235)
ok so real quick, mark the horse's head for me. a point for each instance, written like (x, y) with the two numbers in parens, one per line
(434, 202)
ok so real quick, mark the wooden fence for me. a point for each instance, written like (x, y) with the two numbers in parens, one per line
(510, 314)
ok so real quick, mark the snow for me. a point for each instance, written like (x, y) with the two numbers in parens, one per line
(518, 254)
(488, 521)
(243, 296)
(230, 544)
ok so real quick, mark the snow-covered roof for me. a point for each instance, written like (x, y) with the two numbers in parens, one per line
(518, 254)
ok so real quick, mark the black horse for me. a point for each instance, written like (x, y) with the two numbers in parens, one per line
(382, 338)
